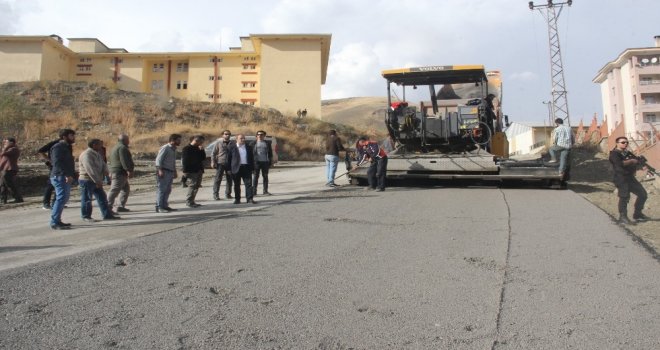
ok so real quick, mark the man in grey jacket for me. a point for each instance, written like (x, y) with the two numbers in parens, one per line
(166, 173)
(219, 163)
(92, 170)
(121, 169)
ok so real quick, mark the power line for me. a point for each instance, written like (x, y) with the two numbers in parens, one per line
(559, 94)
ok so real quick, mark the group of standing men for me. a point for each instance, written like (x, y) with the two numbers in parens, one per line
(235, 160)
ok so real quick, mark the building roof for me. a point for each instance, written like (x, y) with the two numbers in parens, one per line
(622, 59)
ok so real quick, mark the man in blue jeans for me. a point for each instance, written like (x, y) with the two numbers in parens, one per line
(61, 176)
(92, 172)
(563, 140)
(332, 147)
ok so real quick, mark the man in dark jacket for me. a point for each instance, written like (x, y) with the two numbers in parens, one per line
(263, 159)
(370, 151)
(192, 160)
(61, 176)
(624, 164)
(240, 160)
(121, 169)
(332, 147)
(9, 169)
(44, 153)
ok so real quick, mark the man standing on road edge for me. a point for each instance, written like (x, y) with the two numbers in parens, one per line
(192, 160)
(219, 163)
(166, 173)
(624, 164)
(121, 169)
(92, 170)
(241, 162)
(263, 158)
(9, 169)
(44, 153)
(333, 146)
(61, 176)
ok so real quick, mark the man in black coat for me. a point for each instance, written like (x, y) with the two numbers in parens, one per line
(241, 162)
(192, 159)
(62, 176)
(624, 164)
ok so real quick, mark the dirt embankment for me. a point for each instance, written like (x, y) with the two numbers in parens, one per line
(591, 177)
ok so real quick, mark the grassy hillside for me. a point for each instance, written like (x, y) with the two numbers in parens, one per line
(366, 113)
(33, 112)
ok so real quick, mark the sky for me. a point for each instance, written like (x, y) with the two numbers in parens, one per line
(371, 35)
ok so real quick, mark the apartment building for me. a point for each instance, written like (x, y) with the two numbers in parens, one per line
(281, 71)
(630, 90)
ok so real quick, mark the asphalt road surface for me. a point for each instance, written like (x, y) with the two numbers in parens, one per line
(408, 268)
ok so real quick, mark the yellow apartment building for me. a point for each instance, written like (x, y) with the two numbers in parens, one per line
(281, 71)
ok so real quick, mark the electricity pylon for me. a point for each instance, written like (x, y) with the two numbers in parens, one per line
(559, 94)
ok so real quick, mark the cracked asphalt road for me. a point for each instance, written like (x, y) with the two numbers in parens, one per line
(409, 268)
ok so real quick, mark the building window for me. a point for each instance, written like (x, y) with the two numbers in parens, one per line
(249, 84)
(116, 60)
(115, 79)
(182, 67)
(650, 118)
(158, 67)
(85, 60)
(157, 84)
(211, 96)
(182, 85)
(249, 66)
(212, 60)
(84, 68)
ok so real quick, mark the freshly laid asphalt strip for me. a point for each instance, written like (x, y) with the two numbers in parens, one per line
(456, 268)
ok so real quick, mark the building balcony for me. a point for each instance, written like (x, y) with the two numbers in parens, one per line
(649, 108)
(650, 69)
(649, 86)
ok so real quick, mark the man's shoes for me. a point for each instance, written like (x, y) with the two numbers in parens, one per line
(111, 217)
(64, 224)
(89, 219)
(641, 217)
(46, 207)
(228, 196)
(162, 210)
(266, 193)
(623, 219)
(123, 210)
(236, 201)
(170, 209)
(380, 190)
(216, 198)
(369, 188)
(251, 201)
(184, 185)
(18, 200)
(59, 227)
(552, 161)
(193, 205)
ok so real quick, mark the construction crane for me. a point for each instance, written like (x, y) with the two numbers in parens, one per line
(559, 94)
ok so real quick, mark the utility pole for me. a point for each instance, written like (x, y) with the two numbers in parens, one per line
(559, 94)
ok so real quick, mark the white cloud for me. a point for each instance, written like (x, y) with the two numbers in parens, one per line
(523, 76)
(350, 72)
